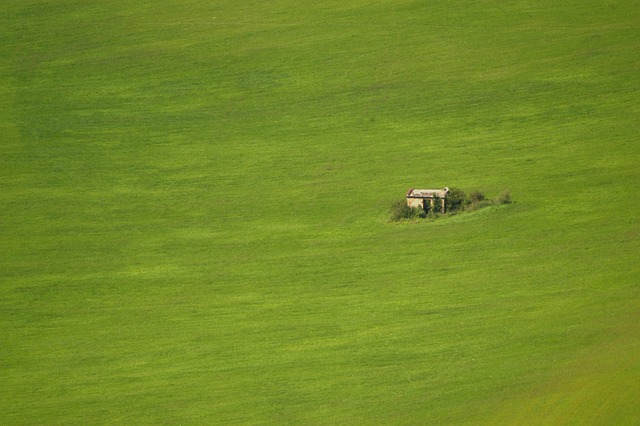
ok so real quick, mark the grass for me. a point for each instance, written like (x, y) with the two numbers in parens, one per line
(193, 212)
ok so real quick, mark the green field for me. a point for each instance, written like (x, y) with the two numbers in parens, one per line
(194, 204)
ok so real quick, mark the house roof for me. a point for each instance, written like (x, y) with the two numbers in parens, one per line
(427, 193)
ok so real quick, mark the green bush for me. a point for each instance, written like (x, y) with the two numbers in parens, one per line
(476, 197)
(475, 201)
(401, 211)
(455, 200)
(504, 197)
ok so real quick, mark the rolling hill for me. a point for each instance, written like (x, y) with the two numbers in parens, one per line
(194, 207)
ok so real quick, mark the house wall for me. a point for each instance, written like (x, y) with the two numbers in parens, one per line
(417, 202)
(414, 202)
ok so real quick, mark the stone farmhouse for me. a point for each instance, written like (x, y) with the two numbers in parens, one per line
(420, 197)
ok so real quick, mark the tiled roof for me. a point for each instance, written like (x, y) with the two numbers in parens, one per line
(427, 193)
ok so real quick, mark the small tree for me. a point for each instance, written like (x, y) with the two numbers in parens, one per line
(455, 200)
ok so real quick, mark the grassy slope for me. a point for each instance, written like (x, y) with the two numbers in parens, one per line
(194, 196)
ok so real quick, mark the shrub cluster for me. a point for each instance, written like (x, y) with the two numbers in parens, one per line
(401, 211)
(457, 201)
